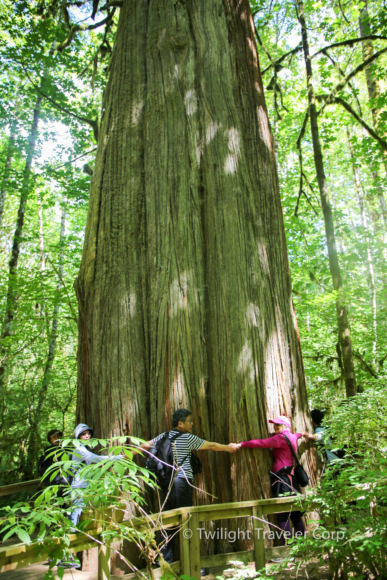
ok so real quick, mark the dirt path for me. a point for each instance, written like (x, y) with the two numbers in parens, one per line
(310, 572)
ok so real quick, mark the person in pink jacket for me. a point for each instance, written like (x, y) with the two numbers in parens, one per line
(283, 478)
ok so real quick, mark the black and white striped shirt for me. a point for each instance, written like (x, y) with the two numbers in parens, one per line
(184, 445)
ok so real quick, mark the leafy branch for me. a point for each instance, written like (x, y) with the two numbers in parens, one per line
(83, 28)
(347, 107)
(298, 48)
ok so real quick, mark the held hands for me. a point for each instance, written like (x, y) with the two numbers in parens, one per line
(307, 435)
(233, 447)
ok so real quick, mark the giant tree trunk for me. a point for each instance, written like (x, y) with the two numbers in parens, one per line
(334, 266)
(184, 288)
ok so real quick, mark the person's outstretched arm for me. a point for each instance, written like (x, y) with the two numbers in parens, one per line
(212, 446)
(269, 443)
(91, 457)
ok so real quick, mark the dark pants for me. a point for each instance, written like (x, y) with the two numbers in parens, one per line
(284, 524)
(180, 496)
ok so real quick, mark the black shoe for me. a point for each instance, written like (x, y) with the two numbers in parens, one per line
(204, 572)
(70, 563)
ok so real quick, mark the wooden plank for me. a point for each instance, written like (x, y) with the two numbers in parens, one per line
(275, 509)
(104, 562)
(19, 487)
(194, 547)
(259, 539)
(35, 553)
(277, 552)
(222, 514)
(19, 555)
(224, 559)
(184, 544)
(169, 518)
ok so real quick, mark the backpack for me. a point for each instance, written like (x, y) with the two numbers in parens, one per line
(299, 471)
(162, 451)
(45, 461)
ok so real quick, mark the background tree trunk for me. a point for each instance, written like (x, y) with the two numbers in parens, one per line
(373, 89)
(334, 266)
(33, 441)
(7, 167)
(370, 265)
(10, 308)
(184, 289)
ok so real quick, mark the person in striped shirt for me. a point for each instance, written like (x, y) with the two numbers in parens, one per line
(185, 442)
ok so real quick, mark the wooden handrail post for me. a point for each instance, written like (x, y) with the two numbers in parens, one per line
(194, 547)
(259, 540)
(104, 553)
(104, 561)
(185, 567)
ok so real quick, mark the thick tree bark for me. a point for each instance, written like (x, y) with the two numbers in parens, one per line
(7, 167)
(334, 266)
(33, 442)
(184, 289)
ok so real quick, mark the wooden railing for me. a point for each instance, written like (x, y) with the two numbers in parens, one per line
(20, 555)
(31, 485)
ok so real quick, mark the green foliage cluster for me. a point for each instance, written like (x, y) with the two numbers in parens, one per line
(348, 533)
(109, 487)
(360, 243)
(32, 400)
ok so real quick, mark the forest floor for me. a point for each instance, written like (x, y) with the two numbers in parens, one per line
(37, 571)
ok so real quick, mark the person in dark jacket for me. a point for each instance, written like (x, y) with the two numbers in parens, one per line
(333, 456)
(53, 453)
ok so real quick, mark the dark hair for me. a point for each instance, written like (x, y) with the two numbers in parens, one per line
(180, 415)
(53, 432)
(317, 416)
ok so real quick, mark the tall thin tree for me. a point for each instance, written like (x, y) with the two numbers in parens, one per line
(33, 440)
(10, 307)
(334, 266)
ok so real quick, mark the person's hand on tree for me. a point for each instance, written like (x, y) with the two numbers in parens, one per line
(234, 447)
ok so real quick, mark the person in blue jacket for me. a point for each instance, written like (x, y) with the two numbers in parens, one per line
(84, 456)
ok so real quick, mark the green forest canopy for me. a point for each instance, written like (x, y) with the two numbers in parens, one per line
(62, 84)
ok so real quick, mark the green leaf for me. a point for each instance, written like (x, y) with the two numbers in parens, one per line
(23, 535)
